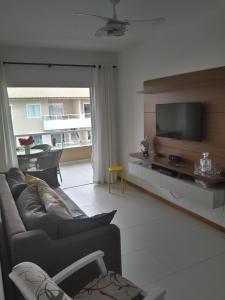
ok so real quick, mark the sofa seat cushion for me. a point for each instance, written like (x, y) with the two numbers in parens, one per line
(110, 286)
(16, 181)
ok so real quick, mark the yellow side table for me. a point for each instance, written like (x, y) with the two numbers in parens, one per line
(114, 170)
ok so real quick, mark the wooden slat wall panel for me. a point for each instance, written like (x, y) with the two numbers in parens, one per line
(210, 92)
(211, 77)
(213, 98)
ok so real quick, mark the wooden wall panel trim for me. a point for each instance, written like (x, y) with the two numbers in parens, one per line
(211, 77)
(204, 95)
(213, 98)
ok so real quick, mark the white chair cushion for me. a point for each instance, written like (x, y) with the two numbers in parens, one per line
(34, 283)
(110, 286)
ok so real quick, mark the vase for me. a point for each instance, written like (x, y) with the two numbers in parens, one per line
(27, 149)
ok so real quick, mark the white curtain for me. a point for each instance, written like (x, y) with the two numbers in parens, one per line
(104, 139)
(8, 158)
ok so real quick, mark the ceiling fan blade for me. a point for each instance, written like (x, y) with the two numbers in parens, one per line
(92, 15)
(101, 32)
(154, 21)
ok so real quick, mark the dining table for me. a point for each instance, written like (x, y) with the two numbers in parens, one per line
(21, 153)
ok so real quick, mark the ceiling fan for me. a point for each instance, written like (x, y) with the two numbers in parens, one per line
(116, 27)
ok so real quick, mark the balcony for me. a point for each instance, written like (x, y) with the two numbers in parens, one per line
(76, 143)
(57, 122)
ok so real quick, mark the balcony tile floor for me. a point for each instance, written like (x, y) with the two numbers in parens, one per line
(161, 246)
(76, 173)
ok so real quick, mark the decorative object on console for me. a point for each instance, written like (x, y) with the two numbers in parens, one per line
(145, 145)
(205, 163)
(206, 166)
(174, 158)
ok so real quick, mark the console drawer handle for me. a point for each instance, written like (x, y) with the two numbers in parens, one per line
(174, 195)
(171, 193)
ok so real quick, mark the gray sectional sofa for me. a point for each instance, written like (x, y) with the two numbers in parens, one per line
(18, 244)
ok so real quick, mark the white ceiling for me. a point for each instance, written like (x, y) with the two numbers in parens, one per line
(51, 23)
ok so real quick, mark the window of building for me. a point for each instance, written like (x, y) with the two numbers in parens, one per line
(33, 110)
(55, 109)
(87, 110)
(37, 139)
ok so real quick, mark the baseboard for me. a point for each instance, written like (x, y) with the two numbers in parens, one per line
(186, 211)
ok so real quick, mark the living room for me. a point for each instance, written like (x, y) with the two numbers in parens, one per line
(187, 256)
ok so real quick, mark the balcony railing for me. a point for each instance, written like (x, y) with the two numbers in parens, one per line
(59, 139)
(59, 122)
(66, 117)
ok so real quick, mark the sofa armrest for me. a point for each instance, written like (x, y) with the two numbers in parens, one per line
(77, 265)
(55, 255)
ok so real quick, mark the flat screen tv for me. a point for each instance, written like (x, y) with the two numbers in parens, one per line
(182, 121)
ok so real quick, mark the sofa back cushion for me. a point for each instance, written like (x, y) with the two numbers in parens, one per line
(72, 206)
(16, 181)
(32, 179)
(52, 202)
(35, 216)
(33, 213)
(78, 225)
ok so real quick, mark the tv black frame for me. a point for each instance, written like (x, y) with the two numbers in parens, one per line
(201, 127)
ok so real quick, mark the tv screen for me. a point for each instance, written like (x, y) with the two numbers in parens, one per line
(182, 121)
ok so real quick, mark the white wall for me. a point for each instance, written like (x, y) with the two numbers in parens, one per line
(17, 75)
(48, 55)
(196, 45)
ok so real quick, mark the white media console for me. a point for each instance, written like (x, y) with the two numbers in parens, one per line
(205, 202)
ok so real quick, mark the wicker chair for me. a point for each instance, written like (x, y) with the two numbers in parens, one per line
(24, 163)
(29, 161)
(50, 160)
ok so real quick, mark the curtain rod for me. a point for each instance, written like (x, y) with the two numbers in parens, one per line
(50, 64)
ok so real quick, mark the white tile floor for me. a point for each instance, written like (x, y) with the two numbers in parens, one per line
(161, 246)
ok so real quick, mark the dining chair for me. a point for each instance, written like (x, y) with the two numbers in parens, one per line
(33, 158)
(51, 160)
(23, 163)
(35, 284)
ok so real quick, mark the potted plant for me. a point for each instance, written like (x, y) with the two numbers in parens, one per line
(26, 142)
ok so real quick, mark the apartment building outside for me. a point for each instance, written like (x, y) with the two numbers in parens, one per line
(60, 117)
